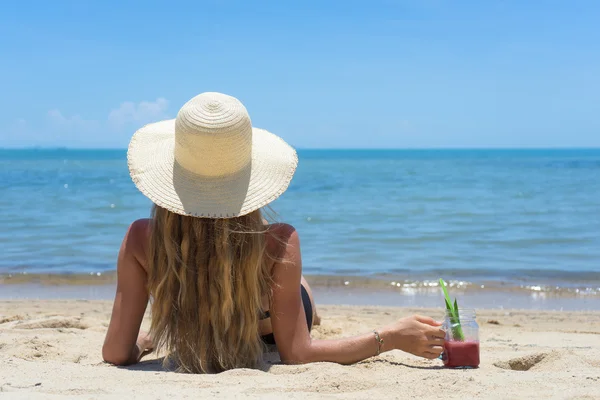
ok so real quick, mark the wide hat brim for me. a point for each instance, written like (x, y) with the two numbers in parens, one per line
(159, 177)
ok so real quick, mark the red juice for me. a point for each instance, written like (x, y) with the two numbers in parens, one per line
(461, 354)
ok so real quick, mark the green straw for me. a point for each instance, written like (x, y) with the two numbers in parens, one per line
(457, 332)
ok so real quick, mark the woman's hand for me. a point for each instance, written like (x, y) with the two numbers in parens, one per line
(421, 336)
(144, 343)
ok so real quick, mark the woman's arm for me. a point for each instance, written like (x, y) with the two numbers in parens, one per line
(122, 345)
(417, 335)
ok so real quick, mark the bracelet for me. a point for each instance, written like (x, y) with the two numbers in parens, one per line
(379, 342)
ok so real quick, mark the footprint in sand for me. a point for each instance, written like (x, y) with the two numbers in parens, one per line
(550, 361)
(52, 323)
(12, 318)
(524, 363)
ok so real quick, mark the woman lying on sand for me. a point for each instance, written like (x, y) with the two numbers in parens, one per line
(224, 283)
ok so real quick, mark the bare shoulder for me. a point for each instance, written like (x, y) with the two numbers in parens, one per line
(279, 237)
(283, 244)
(282, 232)
(139, 231)
(137, 239)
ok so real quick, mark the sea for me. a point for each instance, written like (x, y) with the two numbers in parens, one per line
(521, 220)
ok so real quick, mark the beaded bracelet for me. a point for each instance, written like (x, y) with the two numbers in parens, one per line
(379, 342)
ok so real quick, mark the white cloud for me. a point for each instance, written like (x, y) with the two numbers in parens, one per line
(60, 129)
(143, 112)
(74, 121)
(56, 116)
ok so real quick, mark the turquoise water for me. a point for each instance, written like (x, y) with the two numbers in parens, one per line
(505, 215)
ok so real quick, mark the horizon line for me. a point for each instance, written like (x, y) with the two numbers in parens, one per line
(43, 148)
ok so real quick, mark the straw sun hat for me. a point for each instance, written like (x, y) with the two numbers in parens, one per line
(209, 161)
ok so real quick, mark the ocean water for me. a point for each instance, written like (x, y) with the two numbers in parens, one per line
(516, 216)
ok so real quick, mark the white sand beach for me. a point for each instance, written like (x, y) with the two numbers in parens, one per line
(52, 349)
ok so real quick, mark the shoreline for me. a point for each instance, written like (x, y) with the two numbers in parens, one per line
(405, 283)
(330, 290)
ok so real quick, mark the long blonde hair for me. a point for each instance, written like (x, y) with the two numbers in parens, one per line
(207, 278)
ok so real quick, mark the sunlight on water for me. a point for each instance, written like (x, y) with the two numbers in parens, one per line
(528, 217)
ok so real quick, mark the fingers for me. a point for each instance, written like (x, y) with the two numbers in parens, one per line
(433, 352)
(436, 333)
(436, 350)
(430, 356)
(427, 320)
(436, 342)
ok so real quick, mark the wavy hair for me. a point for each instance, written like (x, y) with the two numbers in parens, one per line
(207, 278)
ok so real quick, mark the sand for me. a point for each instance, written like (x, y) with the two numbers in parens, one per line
(52, 349)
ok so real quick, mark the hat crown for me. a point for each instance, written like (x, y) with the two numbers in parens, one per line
(213, 135)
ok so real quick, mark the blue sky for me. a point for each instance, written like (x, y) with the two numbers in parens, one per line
(321, 74)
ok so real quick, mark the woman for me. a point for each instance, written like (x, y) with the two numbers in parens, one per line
(223, 282)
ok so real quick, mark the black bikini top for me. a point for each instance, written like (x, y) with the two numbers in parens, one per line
(264, 315)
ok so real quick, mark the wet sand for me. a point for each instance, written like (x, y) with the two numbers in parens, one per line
(347, 290)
